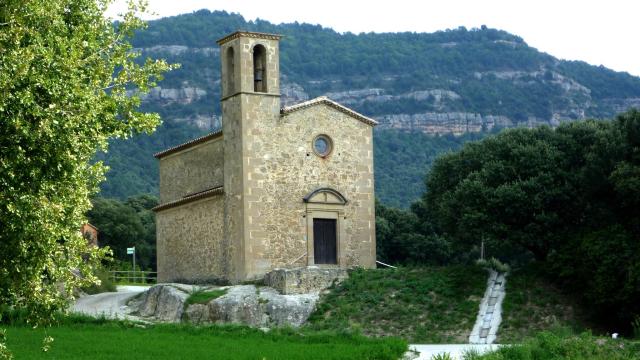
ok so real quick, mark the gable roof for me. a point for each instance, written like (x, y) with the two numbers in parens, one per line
(326, 101)
(188, 144)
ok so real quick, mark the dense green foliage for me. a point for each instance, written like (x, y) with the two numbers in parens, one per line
(568, 196)
(64, 74)
(564, 345)
(404, 158)
(80, 338)
(123, 224)
(492, 71)
(106, 283)
(402, 238)
(422, 305)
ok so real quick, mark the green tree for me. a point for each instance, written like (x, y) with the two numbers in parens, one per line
(569, 196)
(68, 83)
(510, 189)
(126, 224)
(401, 238)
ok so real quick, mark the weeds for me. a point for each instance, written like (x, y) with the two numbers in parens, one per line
(201, 296)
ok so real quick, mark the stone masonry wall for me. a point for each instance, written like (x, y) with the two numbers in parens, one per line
(281, 168)
(193, 170)
(233, 186)
(190, 241)
(235, 109)
(243, 65)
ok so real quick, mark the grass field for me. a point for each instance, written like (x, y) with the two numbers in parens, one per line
(122, 340)
(562, 344)
(532, 305)
(421, 305)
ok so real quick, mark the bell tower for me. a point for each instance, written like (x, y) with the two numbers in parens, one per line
(250, 64)
(250, 101)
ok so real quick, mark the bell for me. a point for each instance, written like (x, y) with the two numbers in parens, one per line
(258, 75)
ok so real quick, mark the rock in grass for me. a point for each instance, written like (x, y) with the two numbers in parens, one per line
(197, 313)
(263, 307)
(164, 303)
(244, 304)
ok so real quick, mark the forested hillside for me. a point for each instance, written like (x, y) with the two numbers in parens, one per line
(449, 82)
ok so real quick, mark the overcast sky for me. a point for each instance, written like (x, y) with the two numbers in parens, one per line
(605, 32)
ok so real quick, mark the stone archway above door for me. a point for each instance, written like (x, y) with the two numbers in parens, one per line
(324, 205)
(325, 196)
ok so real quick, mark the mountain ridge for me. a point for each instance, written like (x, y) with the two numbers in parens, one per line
(454, 81)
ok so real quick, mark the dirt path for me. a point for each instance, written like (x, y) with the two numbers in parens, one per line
(110, 304)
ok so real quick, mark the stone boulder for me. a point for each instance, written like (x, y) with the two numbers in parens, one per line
(263, 307)
(243, 304)
(197, 314)
(304, 280)
(163, 302)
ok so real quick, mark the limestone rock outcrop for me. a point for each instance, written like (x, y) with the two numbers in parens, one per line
(163, 303)
(261, 307)
(243, 304)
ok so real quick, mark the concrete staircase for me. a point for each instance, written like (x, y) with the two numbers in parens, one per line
(490, 314)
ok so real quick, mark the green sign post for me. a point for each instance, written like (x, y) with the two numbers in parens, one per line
(132, 251)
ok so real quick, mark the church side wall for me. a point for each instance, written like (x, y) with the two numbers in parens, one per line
(281, 168)
(190, 241)
(233, 187)
(192, 170)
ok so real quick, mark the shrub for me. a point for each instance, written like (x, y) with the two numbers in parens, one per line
(494, 264)
(104, 285)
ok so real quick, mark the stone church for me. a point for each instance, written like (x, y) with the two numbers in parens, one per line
(274, 188)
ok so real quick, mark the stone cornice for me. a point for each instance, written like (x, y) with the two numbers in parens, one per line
(255, 35)
(188, 144)
(190, 198)
(249, 93)
(326, 101)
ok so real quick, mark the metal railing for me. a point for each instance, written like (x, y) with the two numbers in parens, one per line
(387, 265)
(134, 277)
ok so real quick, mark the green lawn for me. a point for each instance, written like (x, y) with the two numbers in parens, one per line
(562, 344)
(421, 305)
(121, 340)
(532, 304)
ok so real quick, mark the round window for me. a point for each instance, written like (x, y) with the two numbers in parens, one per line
(322, 145)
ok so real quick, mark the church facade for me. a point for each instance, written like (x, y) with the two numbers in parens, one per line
(274, 188)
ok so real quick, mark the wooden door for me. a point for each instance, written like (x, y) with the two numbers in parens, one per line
(324, 241)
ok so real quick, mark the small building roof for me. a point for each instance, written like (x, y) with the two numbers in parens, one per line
(188, 144)
(326, 101)
(90, 225)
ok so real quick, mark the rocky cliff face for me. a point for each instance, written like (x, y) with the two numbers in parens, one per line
(183, 95)
(432, 110)
(456, 123)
